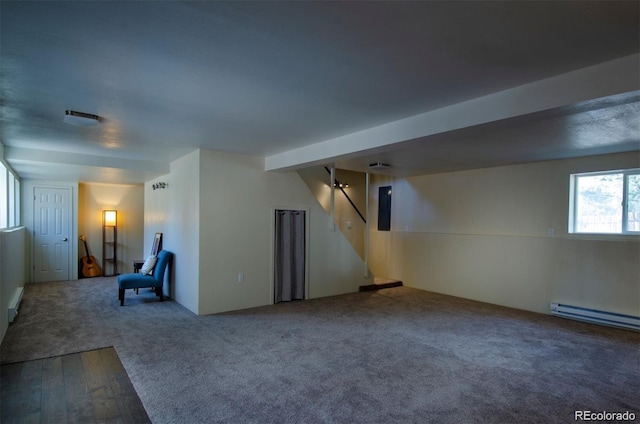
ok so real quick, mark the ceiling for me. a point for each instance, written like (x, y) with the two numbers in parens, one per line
(270, 78)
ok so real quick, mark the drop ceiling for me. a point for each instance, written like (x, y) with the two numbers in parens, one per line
(272, 78)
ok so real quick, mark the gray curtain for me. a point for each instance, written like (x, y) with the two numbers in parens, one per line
(289, 255)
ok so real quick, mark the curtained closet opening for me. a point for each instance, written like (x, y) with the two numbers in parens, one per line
(289, 255)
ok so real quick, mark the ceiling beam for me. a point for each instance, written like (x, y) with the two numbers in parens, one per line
(605, 79)
(22, 155)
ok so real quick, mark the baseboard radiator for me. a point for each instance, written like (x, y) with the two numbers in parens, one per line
(15, 304)
(595, 316)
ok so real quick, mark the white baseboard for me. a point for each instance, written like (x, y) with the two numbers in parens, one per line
(15, 303)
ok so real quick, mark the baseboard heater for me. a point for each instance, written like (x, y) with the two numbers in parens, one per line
(595, 316)
(15, 304)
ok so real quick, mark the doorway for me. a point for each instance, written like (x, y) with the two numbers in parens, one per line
(51, 234)
(290, 255)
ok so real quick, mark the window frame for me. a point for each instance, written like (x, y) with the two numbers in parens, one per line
(10, 215)
(573, 202)
(625, 200)
(4, 196)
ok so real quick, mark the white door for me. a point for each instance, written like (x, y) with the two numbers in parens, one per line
(51, 234)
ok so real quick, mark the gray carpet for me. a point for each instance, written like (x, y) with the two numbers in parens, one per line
(397, 355)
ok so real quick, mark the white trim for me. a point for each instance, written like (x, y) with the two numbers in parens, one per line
(367, 227)
(332, 186)
(573, 202)
(625, 198)
(14, 305)
(72, 246)
(595, 316)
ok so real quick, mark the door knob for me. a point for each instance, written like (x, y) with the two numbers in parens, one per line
(65, 239)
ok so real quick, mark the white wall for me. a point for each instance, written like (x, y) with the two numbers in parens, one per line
(347, 219)
(85, 210)
(128, 200)
(216, 215)
(482, 234)
(380, 262)
(238, 200)
(156, 208)
(12, 271)
(175, 212)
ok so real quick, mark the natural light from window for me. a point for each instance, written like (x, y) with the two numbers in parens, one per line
(606, 202)
(9, 198)
(4, 197)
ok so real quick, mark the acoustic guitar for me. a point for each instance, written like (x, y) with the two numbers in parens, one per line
(90, 267)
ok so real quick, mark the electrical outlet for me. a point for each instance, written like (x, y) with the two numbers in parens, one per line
(240, 278)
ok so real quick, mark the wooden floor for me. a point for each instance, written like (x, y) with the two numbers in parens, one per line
(87, 387)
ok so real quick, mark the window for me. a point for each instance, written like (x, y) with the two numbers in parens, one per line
(16, 202)
(11, 185)
(605, 202)
(4, 197)
(9, 198)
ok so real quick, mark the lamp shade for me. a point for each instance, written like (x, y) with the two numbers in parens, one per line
(110, 218)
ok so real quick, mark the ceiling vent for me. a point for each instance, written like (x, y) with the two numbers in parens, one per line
(80, 119)
(378, 166)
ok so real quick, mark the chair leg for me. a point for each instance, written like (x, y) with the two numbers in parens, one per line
(159, 293)
(121, 296)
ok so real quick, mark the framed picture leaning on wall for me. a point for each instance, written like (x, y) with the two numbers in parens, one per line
(157, 244)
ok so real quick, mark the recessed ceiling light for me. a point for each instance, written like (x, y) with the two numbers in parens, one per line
(80, 119)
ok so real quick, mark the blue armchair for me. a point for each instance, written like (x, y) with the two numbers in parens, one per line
(138, 281)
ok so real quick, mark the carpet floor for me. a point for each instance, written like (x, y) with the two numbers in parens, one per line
(397, 355)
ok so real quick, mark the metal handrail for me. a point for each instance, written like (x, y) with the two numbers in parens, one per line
(347, 196)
